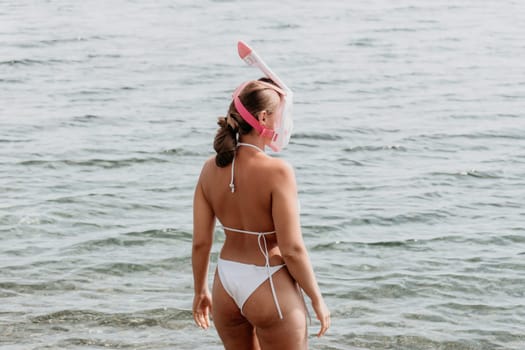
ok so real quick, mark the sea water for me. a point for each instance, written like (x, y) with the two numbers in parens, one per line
(409, 152)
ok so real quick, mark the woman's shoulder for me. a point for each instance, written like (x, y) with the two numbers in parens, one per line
(280, 168)
(209, 163)
(281, 164)
(281, 177)
(208, 167)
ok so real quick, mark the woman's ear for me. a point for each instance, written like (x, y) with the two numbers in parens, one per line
(262, 117)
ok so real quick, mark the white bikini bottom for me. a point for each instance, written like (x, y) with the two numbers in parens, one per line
(241, 280)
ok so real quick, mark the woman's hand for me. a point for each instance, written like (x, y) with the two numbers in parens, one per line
(202, 309)
(323, 315)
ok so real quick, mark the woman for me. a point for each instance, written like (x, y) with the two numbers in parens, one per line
(257, 302)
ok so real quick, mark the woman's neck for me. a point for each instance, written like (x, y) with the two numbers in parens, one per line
(249, 145)
(253, 140)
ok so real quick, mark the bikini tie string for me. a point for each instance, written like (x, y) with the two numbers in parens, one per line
(267, 264)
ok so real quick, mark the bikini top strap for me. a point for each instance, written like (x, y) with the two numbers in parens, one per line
(247, 232)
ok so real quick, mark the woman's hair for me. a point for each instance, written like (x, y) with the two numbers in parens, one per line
(255, 97)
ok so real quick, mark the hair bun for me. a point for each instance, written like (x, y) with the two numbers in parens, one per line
(222, 122)
(225, 141)
(232, 122)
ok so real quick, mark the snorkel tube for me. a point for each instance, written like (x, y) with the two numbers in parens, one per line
(283, 131)
(252, 59)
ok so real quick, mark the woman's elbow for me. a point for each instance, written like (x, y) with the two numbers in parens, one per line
(201, 245)
(293, 252)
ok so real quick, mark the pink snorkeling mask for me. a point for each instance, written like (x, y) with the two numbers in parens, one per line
(272, 134)
(280, 134)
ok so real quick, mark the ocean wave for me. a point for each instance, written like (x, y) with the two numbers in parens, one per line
(147, 318)
(382, 290)
(128, 268)
(34, 62)
(11, 81)
(129, 239)
(317, 136)
(95, 162)
(58, 286)
(97, 244)
(17, 140)
(22, 62)
(510, 134)
(470, 173)
(68, 40)
(363, 42)
(86, 118)
(413, 217)
(181, 152)
(117, 268)
(165, 233)
(370, 148)
(398, 340)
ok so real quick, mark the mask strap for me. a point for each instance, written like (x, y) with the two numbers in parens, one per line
(250, 119)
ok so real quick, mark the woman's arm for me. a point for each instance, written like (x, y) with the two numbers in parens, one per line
(285, 214)
(203, 226)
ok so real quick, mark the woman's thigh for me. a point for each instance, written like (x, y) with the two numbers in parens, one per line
(260, 309)
(234, 329)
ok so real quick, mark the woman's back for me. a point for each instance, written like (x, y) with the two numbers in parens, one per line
(248, 207)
